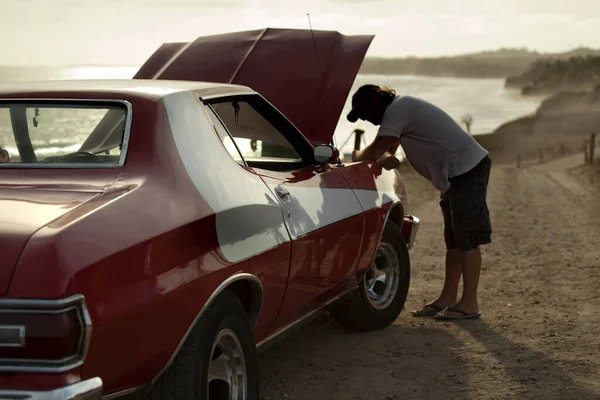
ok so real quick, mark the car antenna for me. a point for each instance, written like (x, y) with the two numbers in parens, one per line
(318, 63)
(315, 46)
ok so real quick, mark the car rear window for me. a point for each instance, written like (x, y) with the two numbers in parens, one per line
(57, 133)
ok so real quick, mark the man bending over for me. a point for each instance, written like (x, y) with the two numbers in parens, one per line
(442, 152)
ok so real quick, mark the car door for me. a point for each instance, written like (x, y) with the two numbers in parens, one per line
(323, 215)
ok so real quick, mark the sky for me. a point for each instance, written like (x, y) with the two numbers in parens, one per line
(126, 32)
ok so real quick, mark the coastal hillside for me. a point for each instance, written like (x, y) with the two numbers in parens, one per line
(549, 75)
(500, 63)
(560, 125)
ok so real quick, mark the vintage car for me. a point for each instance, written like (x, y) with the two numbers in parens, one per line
(156, 232)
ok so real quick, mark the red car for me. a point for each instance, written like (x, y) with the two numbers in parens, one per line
(155, 232)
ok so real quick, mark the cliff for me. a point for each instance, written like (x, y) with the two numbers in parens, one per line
(550, 75)
(488, 64)
(561, 124)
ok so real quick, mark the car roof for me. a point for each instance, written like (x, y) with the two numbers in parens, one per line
(145, 88)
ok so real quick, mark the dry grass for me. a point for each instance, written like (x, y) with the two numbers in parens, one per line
(588, 174)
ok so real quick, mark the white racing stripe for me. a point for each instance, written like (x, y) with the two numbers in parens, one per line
(315, 208)
(370, 199)
(249, 218)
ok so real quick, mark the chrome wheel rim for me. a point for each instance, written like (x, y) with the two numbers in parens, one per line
(227, 375)
(383, 277)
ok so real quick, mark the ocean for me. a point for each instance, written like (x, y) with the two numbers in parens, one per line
(486, 100)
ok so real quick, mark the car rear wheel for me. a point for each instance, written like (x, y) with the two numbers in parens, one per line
(381, 294)
(218, 361)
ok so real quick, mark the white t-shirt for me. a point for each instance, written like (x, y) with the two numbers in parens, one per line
(436, 146)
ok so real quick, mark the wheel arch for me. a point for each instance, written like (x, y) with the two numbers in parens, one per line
(409, 231)
(396, 215)
(247, 288)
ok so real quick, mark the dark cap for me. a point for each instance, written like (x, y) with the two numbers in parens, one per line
(359, 97)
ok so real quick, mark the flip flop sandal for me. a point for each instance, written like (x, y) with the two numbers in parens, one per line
(435, 309)
(464, 315)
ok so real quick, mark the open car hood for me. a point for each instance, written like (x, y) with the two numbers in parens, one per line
(280, 64)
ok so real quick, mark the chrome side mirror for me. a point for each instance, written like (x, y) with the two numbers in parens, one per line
(325, 153)
(4, 155)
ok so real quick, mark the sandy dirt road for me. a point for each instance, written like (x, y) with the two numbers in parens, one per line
(539, 335)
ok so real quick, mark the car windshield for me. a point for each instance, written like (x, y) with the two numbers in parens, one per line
(57, 133)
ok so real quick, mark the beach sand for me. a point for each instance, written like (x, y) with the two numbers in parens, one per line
(539, 297)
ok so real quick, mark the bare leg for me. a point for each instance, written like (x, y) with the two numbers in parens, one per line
(471, 270)
(450, 289)
(454, 269)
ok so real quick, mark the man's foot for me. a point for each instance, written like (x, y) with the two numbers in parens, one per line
(458, 311)
(429, 310)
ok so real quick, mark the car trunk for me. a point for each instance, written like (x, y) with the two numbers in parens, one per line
(26, 209)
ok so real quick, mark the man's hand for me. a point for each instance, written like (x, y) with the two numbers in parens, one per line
(389, 161)
(377, 149)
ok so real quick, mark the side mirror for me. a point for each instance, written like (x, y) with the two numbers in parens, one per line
(326, 153)
(4, 155)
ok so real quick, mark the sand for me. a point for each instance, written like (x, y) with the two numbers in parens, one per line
(538, 337)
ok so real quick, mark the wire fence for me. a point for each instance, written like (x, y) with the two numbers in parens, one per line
(589, 148)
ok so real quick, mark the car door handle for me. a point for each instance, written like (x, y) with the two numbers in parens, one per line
(282, 192)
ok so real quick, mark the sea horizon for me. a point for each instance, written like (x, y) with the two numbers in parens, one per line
(486, 99)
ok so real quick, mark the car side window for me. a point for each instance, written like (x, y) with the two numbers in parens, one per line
(225, 138)
(259, 141)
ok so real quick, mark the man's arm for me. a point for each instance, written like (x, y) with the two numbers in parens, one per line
(394, 147)
(380, 146)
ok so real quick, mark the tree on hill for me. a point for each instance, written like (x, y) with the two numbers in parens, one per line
(467, 120)
(551, 74)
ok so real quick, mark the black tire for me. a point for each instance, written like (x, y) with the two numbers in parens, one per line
(355, 310)
(187, 377)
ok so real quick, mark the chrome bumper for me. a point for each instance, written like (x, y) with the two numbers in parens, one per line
(85, 390)
(413, 232)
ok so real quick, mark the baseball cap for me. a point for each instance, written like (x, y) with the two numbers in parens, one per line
(358, 100)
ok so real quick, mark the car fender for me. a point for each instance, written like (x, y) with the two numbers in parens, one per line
(253, 308)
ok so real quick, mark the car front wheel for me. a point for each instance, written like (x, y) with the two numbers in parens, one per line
(218, 361)
(381, 294)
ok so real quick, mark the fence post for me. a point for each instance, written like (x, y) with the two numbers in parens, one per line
(562, 150)
(592, 147)
(357, 136)
(585, 153)
(541, 156)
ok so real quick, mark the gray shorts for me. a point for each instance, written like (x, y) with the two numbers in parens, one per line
(466, 216)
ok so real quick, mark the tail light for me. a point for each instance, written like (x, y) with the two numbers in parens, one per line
(43, 335)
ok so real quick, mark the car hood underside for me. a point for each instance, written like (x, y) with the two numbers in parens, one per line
(306, 74)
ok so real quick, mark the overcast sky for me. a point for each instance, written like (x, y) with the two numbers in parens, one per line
(51, 32)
